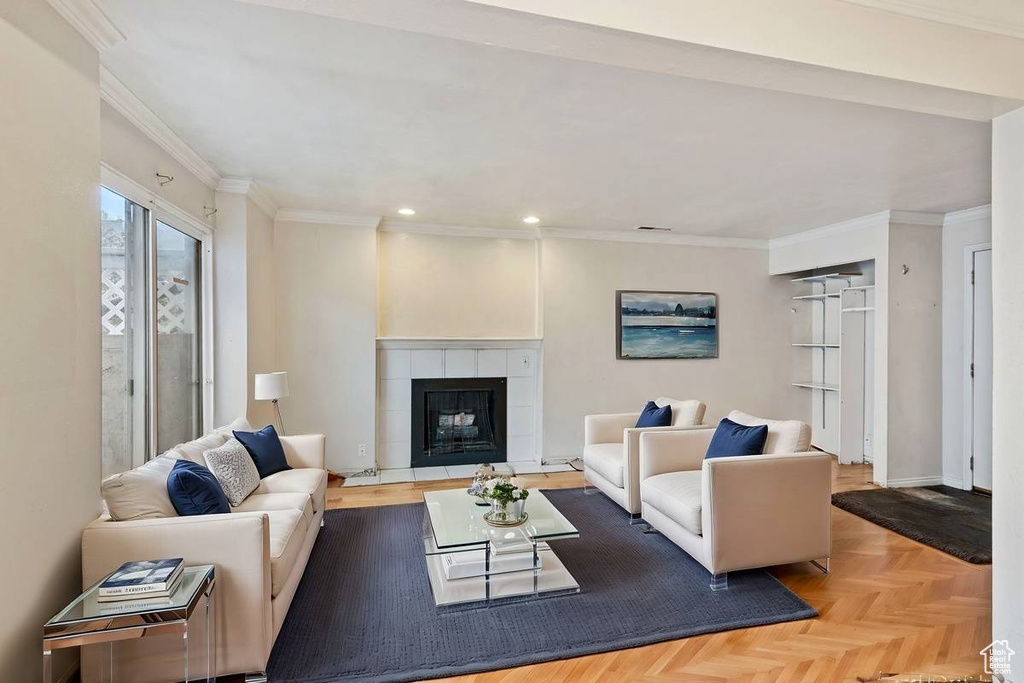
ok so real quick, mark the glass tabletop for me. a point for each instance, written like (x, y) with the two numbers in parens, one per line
(88, 608)
(457, 522)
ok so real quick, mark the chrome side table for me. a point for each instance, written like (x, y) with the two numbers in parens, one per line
(86, 621)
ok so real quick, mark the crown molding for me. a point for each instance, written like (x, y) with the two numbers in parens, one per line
(459, 230)
(89, 20)
(251, 189)
(657, 238)
(117, 95)
(968, 215)
(916, 218)
(927, 11)
(327, 218)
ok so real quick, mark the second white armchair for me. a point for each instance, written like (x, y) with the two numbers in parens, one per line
(611, 450)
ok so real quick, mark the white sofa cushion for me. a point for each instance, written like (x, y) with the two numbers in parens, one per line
(234, 469)
(608, 460)
(195, 450)
(312, 482)
(287, 532)
(677, 496)
(684, 413)
(265, 502)
(784, 436)
(140, 493)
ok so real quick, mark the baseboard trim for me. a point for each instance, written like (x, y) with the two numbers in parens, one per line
(955, 483)
(913, 481)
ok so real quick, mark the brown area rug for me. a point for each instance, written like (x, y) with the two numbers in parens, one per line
(948, 519)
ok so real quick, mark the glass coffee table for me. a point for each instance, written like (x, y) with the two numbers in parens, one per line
(469, 560)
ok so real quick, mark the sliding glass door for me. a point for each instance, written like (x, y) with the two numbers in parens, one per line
(151, 313)
(178, 339)
(123, 325)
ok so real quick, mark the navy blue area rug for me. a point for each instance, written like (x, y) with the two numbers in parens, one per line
(364, 610)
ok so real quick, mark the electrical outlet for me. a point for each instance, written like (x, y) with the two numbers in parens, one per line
(362, 450)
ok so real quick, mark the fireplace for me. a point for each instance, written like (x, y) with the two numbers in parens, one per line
(458, 421)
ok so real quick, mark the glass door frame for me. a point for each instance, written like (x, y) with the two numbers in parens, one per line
(159, 209)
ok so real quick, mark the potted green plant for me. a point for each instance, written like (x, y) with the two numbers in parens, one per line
(508, 501)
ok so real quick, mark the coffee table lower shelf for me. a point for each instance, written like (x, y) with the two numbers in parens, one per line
(551, 579)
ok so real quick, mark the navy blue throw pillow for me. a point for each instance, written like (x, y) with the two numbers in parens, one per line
(195, 491)
(653, 416)
(732, 438)
(266, 450)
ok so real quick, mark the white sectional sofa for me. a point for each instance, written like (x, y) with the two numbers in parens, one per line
(259, 549)
(740, 512)
(611, 448)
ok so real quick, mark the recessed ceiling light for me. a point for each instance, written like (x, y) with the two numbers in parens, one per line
(531, 220)
(407, 212)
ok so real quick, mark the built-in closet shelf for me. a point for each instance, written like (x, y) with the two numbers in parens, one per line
(823, 278)
(816, 297)
(817, 385)
(817, 346)
(859, 309)
(861, 287)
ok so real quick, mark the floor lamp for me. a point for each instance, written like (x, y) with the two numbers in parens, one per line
(271, 387)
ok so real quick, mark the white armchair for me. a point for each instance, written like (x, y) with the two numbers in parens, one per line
(611, 450)
(741, 512)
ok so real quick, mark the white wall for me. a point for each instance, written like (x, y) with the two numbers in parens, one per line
(260, 303)
(1007, 397)
(230, 305)
(961, 230)
(915, 355)
(581, 373)
(326, 317)
(50, 336)
(438, 286)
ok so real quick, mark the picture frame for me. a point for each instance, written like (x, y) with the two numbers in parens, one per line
(665, 325)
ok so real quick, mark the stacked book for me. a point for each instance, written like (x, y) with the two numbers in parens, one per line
(511, 551)
(142, 580)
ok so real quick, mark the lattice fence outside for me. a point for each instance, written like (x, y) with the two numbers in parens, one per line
(171, 302)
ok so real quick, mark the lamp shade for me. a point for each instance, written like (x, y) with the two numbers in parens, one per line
(271, 386)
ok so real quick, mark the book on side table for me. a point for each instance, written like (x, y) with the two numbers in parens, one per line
(141, 580)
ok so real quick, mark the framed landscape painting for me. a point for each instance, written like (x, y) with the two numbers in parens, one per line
(666, 325)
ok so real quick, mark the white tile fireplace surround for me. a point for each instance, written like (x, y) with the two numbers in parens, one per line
(399, 361)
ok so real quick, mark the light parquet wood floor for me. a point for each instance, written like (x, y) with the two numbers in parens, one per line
(892, 609)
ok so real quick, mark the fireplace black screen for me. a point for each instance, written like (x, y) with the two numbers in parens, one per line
(458, 421)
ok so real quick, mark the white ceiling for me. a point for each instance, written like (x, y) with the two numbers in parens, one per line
(336, 115)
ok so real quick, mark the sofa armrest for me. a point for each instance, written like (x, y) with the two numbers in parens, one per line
(237, 544)
(305, 450)
(763, 510)
(673, 449)
(607, 428)
(631, 439)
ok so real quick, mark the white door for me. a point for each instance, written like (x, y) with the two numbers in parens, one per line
(982, 370)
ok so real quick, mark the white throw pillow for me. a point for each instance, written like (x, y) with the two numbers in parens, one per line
(235, 470)
(140, 493)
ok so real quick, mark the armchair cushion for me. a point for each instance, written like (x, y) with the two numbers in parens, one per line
(653, 416)
(732, 438)
(784, 436)
(607, 460)
(676, 495)
(684, 413)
